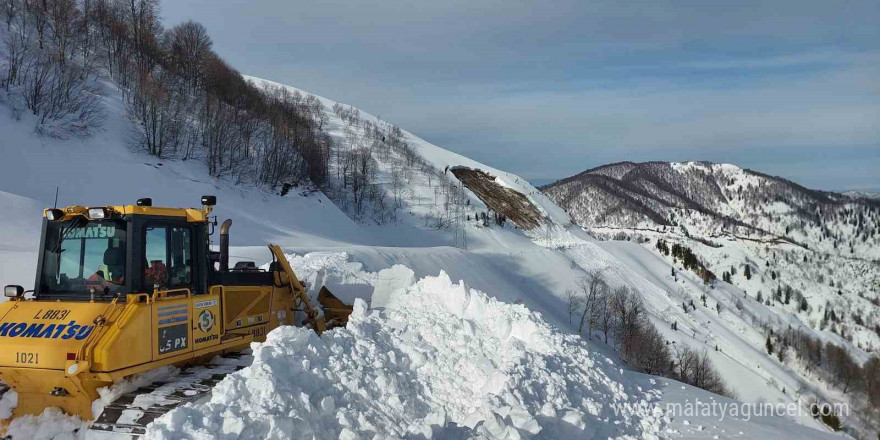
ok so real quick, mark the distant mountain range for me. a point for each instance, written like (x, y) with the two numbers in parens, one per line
(864, 194)
(711, 200)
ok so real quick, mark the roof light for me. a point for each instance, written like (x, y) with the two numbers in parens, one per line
(54, 214)
(97, 213)
(13, 291)
(146, 201)
(209, 200)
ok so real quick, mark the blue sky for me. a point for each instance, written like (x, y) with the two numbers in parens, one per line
(549, 89)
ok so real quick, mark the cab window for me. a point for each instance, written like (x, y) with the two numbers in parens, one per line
(83, 259)
(168, 259)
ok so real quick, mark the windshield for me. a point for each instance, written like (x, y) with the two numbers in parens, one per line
(83, 256)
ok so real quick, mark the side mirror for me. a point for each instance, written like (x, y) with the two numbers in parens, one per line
(209, 200)
(13, 291)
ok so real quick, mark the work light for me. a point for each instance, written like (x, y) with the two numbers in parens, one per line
(13, 291)
(97, 213)
(54, 214)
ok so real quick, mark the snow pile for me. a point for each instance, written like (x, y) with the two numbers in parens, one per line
(8, 402)
(389, 282)
(440, 361)
(52, 424)
(346, 279)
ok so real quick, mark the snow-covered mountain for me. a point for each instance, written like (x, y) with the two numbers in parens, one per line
(822, 244)
(863, 194)
(715, 200)
(809, 257)
(419, 319)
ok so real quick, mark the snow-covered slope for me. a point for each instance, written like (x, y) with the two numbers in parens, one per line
(823, 245)
(529, 373)
(793, 257)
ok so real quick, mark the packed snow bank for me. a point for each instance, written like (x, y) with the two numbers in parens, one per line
(439, 361)
(52, 424)
(389, 282)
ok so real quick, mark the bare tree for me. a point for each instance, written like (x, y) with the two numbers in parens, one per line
(845, 370)
(11, 10)
(590, 287)
(62, 18)
(362, 171)
(155, 109)
(398, 186)
(142, 17)
(629, 316)
(37, 9)
(189, 46)
(650, 353)
(695, 368)
(85, 31)
(871, 382)
(573, 301)
(18, 50)
(605, 312)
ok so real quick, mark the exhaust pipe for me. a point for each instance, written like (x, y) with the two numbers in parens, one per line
(224, 244)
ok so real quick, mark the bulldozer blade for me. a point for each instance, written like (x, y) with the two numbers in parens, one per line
(336, 312)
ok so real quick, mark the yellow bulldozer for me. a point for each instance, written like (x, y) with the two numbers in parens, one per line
(121, 290)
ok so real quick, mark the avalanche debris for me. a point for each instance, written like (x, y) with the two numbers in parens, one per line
(441, 360)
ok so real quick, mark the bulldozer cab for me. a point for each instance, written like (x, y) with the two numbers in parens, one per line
(81, 257)
(84, 259)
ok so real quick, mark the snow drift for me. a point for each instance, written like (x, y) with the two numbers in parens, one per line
(441, 360)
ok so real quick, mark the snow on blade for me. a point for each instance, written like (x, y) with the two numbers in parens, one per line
(441, 360)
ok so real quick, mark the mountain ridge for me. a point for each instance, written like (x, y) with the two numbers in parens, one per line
(720, 198)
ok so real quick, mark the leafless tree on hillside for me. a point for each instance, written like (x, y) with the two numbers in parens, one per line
(629, 313)
(589, 289)
(189, 46)
(62, 19)
(155, 109)
(18, 50)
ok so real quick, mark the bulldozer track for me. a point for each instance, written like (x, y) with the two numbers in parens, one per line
(127, 417)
